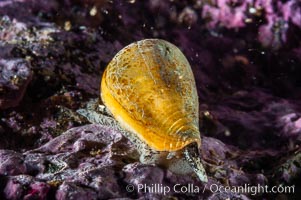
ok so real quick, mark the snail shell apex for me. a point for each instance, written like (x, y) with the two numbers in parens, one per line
(150, 90)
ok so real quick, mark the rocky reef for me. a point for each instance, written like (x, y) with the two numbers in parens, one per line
(246, 58)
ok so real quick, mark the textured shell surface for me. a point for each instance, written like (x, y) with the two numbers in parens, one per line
(150, 90)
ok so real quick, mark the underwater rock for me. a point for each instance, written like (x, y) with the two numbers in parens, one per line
(37, 190)
(15, 75)
(72, 191)
(291, 125)
(11, 163)
(245, 56)
(106, 164)
(84, 155)
(89, 155)
(16, 186)
(13, 190)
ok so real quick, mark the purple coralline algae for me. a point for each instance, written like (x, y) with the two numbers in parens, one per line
(273, 18)
(15, 75)
(246, 59)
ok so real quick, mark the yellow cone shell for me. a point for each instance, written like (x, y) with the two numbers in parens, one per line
(150, 90)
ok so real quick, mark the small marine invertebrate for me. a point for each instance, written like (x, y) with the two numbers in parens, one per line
(149, 88)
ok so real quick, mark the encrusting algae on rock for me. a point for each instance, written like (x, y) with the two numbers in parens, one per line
(149, 88)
